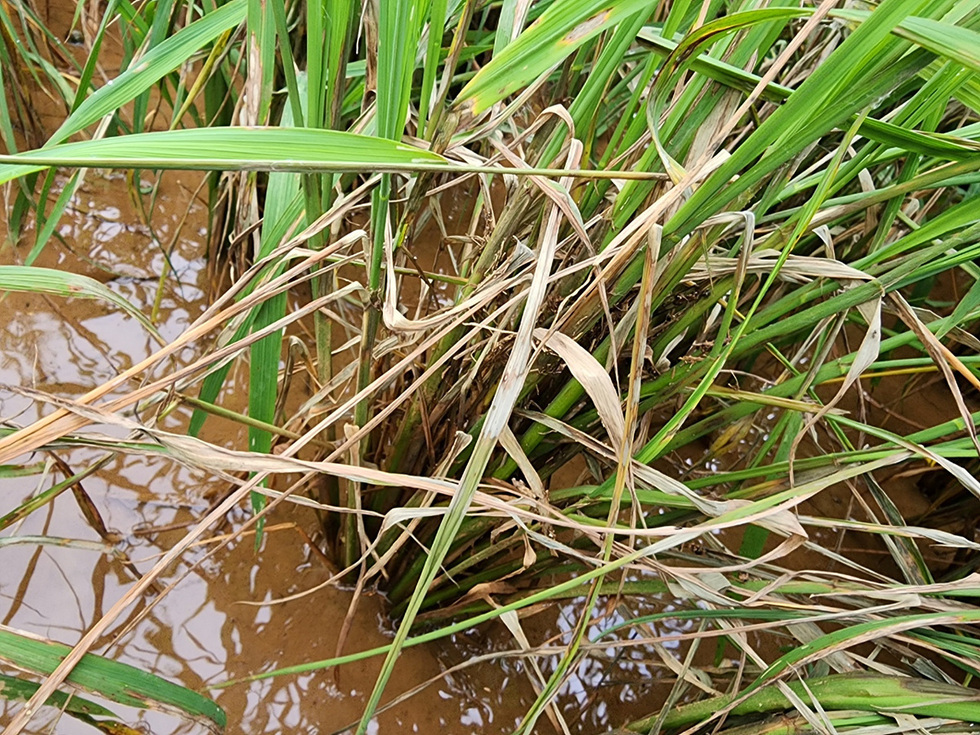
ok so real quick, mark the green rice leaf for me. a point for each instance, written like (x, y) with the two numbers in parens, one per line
(869, 631)
(399, 28)
(851, 78)
(13, 689)
(283, 207)
(29, 279)
(564, 27)
(115, 681)
(860, 692)
(157, 63)
(956, 43)
(227, 149)
(927, 143)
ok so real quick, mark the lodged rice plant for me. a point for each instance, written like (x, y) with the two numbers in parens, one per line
(603, 299)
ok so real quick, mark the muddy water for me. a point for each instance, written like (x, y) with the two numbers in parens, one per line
(212, 627)
(221, 621)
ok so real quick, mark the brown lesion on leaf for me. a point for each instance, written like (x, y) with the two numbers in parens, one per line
(584, 29)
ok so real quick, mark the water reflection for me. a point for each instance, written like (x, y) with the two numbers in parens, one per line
(207, 630)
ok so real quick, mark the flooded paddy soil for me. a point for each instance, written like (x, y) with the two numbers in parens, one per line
(221, 621)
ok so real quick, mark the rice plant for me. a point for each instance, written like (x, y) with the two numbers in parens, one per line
(692, 245)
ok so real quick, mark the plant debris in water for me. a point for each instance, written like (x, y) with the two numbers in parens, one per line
(592, 300)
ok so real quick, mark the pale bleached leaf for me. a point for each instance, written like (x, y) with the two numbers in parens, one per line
(797, 268)
(594, 379)
(513, 447)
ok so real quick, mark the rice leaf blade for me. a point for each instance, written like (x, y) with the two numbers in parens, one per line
(115, 681)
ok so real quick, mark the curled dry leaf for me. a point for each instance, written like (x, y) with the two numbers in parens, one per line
(594, 379)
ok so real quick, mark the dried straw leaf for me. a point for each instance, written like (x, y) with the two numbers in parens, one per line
(594, 379)
(513, 447)
(945, 360)
(796, 269)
